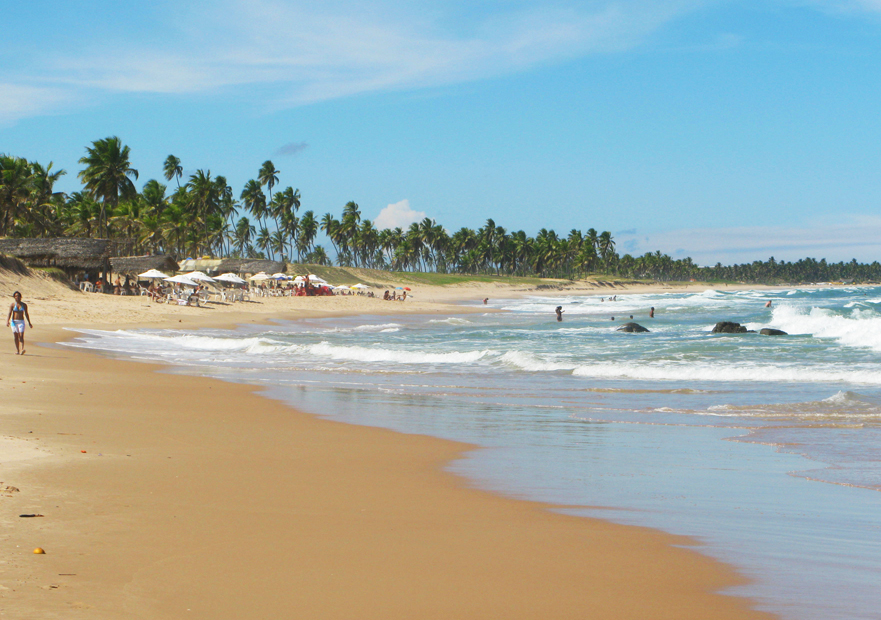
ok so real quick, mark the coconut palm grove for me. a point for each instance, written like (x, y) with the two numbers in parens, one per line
(204, 216)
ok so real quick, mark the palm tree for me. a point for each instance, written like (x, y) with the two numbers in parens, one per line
(15, 187)
(329, 226)
(204, 200)
(264, 240)
(268, 176)
(243, 234)
(308, 230)
(318, 257)
(606, 247)
(254, 200)
(172, 168)
(108, 174)
(82, 215)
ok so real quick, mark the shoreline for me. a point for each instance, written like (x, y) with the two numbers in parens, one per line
(431, 544)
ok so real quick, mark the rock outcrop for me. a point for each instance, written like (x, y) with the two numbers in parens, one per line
(632, 328)
(727, 327)
(773, 332)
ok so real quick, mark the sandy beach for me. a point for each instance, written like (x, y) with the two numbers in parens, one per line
(167, 496)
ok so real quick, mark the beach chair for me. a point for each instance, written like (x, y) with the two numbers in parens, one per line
(87, 287)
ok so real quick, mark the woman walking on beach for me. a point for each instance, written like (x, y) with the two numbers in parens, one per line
(18, 312)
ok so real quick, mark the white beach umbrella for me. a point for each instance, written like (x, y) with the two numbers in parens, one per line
(230, 277)
(299, 279)
(198, 275)
(280, 276)
(359, 286)
(259, 277)
(182, 279)
(317, 279)
(153, 274)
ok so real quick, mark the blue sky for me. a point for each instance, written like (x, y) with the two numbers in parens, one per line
(728, 131)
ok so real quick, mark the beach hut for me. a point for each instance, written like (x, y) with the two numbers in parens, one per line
(133, 265)
(71, 254)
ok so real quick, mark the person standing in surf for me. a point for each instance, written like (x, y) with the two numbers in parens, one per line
(559, 312)
(18, 312)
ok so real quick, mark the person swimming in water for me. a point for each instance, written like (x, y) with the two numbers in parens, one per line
(559, 312)
(18, 312)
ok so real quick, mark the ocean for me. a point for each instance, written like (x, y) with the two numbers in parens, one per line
(765, 449)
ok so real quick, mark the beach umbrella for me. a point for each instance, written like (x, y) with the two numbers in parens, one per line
(182, 279)
(153, 274)
(198, 275)
(279, 276)
(259, 277)
(406, 288)
(231, 278)
(359, 286)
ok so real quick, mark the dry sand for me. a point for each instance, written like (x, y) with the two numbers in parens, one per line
(166, 496)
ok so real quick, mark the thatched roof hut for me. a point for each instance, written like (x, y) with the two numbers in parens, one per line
(66, 253)
(250, 265)
(133, 265)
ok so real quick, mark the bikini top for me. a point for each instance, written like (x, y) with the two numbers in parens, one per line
(17, 307)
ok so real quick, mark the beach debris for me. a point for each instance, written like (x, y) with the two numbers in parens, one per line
(632, 328)
(39, 551)
(728, 327)
(26, 516)
(10, 489)
(767, 331)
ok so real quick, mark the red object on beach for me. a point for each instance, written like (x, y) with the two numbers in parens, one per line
(83, 451)
(406, 288)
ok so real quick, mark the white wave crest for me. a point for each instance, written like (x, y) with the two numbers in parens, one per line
(452, 321)
(131, 341)
(531, 362)
(717, 373)
(861, 328)
(369, 354)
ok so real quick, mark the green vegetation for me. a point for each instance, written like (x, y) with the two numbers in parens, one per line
(203, 217)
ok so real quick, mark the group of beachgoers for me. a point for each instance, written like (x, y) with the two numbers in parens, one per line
(559, 309)
(390, 296)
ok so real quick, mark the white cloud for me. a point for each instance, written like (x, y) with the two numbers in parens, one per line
(301, 52)
(397, 215)
(312, 52)
(19, 101)
(848, 237)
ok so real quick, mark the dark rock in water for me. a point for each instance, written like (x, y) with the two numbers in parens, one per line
(726, 327)
(632, 328)
(773, 332)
